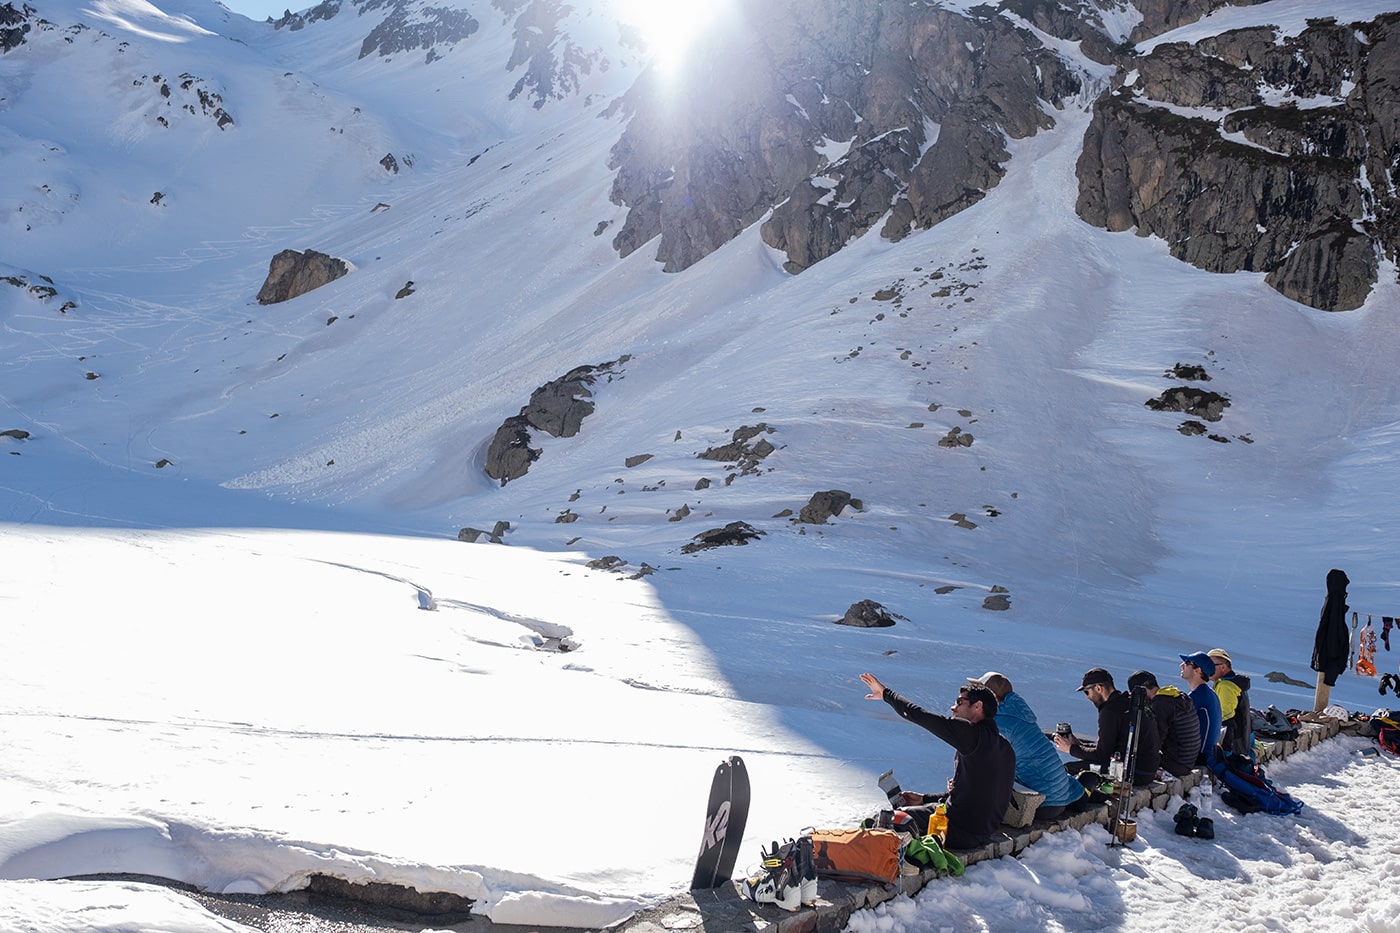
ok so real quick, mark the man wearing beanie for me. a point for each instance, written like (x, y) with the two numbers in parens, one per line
(1177, 723)
(984, 766)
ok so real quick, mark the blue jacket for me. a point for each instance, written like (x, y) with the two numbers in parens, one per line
(1038, 764)
(1208, 709)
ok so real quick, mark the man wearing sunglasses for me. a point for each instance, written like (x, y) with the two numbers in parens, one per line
(984, 765)
(1115, 714)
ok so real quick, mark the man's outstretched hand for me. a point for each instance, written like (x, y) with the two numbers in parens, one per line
(877, 689)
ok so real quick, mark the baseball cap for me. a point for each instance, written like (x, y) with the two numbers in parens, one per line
(1201, 660)
(993, 681)
(1095, 675)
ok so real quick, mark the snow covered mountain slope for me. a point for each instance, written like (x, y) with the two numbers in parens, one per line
(980, 387)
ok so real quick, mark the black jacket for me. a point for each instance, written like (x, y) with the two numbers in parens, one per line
(1333, 641)
(1113, 739)
(984, 768)
(1237, 733)
(1180, 730)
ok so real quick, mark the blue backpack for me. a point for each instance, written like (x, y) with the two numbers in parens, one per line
(1247, 789)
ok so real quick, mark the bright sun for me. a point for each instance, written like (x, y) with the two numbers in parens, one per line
(669, 26)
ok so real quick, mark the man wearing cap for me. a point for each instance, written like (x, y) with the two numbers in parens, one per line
(1115, 712)
(1037, 764)
(984, 765)
(1232, 690)
(1197, 670)
(1177, 724)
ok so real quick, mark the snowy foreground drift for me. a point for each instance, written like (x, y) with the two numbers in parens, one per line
(288, 695)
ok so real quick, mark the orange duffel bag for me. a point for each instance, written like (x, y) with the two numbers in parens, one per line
(857, 854)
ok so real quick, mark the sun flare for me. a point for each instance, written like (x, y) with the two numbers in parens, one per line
(669, 27)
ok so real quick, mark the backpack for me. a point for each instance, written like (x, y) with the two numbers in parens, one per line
(1273, 724)
(858, 854)
(1247, 789)
(1387, 733)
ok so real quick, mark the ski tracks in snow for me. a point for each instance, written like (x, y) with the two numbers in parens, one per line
(544, 636)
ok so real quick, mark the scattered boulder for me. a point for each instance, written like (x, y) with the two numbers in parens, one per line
(1189, 371)
(824, 505)
(735, 533)
(955, 438)
(404, 292)
(637, 460)
(292, 273)
(869, 614)
(679, 514)
(739, 451)
(1192, 401)
(472, 535)
(17, 433)
(1278, 677)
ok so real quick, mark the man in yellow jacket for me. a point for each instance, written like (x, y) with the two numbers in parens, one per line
(1233, 691)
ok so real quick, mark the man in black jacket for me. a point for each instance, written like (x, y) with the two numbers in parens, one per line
(1114, 708)
(984, 766)
(1178, 726)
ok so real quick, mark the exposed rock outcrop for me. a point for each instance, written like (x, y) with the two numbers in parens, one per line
(411, 28)
(824, 505)
(14, 25)
(735, 533)
(1191, 400)
(739, 451)
(292, 273)
(554, 65)
(557, 408)
(1303, 192)
(1158, 16)
(833, 114)
(869, 614)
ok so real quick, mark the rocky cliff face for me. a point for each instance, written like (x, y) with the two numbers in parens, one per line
(1246, 152)
(833, 115)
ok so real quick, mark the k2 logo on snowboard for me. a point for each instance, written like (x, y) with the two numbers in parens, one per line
(715, 827)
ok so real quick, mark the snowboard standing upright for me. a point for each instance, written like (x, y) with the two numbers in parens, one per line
(725, 816)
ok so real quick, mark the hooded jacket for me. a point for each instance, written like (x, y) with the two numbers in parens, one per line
(1180, 729)
(1333, 641)
(1038, 764)
(1236, 734)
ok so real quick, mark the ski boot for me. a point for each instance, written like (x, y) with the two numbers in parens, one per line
(778, 883)
(1187, 819)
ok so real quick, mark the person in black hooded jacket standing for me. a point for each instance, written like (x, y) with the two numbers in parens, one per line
(1333, 640)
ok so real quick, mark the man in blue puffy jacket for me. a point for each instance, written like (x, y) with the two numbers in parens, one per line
(1038, 764)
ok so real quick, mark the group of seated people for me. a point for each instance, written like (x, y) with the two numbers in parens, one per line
(998, 742)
